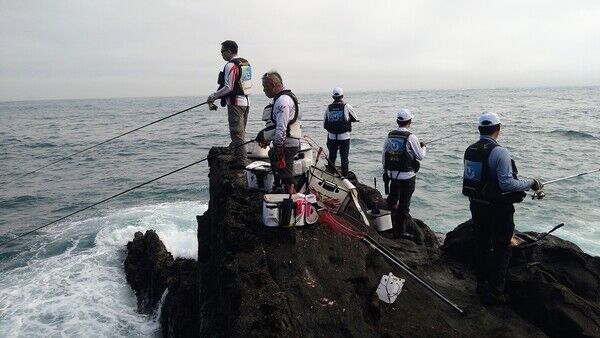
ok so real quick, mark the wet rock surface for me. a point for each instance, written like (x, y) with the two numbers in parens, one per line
(312, 281)
(551, 282)
(150, 269)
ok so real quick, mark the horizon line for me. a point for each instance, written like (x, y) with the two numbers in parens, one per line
(307, 92)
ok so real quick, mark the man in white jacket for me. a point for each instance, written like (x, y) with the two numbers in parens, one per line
(337, 120)
(283, 128)
(401, 153)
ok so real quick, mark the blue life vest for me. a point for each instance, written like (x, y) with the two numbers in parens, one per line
(396, 152)
(335, 119)
(477, 183)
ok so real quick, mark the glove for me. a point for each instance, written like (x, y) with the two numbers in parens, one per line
(536, 185)
(210, 99)
(280, 157)
(260, 139)
(423, 145)
(212, 106)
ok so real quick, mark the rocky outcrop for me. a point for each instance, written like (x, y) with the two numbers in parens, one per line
(312, 281)
(552, 282)
(150, 270)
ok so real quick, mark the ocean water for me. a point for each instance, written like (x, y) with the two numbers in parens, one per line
(68, 278)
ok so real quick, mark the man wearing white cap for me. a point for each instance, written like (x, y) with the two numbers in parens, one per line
(490, 181)
(401, 151)
(337, 121)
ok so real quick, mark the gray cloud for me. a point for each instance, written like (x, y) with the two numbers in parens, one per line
(75, 49)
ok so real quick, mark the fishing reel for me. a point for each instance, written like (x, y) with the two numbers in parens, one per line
(538, 195)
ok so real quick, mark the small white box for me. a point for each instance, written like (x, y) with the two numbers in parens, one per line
(272, 207)
(303, 160)
(259, 176)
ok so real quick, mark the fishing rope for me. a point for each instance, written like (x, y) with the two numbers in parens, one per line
(119, 194)
(101, 143)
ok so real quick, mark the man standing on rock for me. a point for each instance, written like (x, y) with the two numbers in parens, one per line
(401, 153)
(490, 181)
(235, 83)
(337, 121)
(283, 128)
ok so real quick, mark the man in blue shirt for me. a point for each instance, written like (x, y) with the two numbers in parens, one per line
(490, 181)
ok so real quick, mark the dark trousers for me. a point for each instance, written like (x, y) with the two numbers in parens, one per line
(493, 228)
(344, 147)
(284, 177)
(238, 117)
(401, 192)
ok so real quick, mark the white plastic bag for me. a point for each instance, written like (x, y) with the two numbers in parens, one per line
(389, 288)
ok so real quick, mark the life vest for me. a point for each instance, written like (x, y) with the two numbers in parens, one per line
(242, 84)
(335, 119)
(396, 152)
(477, 183)
(293, 128)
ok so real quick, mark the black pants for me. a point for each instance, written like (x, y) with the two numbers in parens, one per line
(493, 227)
(401, 192)
(344, 147)
(284, 177)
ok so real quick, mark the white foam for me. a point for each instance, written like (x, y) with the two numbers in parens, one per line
(77, 288)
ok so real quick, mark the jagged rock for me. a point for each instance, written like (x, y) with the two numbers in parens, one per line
(312, 281)
(150, 270)
(552, 282)
(147, 269)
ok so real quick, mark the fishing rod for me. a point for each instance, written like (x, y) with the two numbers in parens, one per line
(119, 194)
(540, 193)
(441, 138)
(101, 143)
(381, 249)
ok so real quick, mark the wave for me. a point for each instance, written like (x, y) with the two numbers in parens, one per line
(20, 201)
(72, 281)
(574, 134)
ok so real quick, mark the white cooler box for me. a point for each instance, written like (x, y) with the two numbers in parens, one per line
(332, 192)
(255, 152)
(304, 159)
(259, 176)
(272, 210)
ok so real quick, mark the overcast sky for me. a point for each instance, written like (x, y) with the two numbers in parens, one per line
(88, 49)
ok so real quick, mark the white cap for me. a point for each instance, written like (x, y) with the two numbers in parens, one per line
(337, 91)
(488, 119)
(404, 115)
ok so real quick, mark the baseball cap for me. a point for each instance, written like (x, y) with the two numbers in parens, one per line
(404, 115)
(488, 119)
(337, 91)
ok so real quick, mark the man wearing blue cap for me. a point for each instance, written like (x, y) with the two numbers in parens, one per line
(490, 181)
(401, 153)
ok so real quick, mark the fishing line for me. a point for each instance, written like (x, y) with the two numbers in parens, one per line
(119, 194)
(101, 143)
(442, 138)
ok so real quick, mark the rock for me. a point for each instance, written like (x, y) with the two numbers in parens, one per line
(310, 281)
(150, 270)
(552, 282)
(251, 280)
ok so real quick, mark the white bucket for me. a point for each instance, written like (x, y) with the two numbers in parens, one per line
(381, 221)
(272, 205)
(255, 152)
(389, 288)
(259, 176)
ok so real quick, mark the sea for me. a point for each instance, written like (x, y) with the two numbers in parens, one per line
(67, 279)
